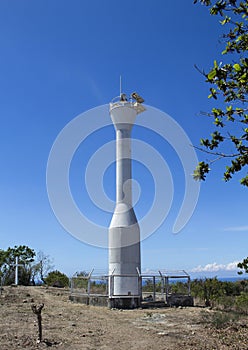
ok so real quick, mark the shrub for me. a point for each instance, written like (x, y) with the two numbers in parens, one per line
(219, 319)
(242, 303)
(57, 279)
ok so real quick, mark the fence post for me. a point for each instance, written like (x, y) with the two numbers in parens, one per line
(88, 286)
(167, 287)
(154, 288)
(189, 290)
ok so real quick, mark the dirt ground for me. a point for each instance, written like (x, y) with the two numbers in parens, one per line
(70, 326)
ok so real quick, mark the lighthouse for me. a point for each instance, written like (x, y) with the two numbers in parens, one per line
(124, 231)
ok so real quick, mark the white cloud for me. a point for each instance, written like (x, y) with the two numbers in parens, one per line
(236, 228)
(232, 266)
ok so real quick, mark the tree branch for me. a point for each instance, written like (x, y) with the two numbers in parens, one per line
(220, 155)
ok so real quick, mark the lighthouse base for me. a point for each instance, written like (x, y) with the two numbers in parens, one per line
(124, 302)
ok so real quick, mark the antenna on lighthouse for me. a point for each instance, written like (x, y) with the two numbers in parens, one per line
(122, 96)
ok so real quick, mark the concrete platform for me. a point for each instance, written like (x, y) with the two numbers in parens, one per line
(95, 300)
(131, 303)
(124, 303)
(180, 300)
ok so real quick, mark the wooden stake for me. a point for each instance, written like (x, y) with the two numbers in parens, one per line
(37, 311)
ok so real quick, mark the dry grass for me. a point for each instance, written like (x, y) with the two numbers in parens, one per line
(69, 326)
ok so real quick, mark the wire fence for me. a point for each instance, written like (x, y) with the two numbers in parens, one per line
(153, 286)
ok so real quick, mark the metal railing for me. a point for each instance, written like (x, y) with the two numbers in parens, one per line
(89, 284)
(153, 286)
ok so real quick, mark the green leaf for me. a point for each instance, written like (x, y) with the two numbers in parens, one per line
(213, 93)
(244, 181)
(237, 67)
(217, 111)
(239, 110)
(212, 74)
(226, 20)
(200, 171)
(218, 122)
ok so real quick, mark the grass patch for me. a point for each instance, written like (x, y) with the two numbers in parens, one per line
(219, 319)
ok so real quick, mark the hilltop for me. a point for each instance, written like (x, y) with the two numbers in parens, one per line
(69, 326)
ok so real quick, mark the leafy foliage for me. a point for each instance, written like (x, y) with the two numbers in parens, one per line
(7, 260)
(57, 279)
(243, 265)
(219, 319)
(242, 302)
(225, 295)
(208, 289)
(32, 266)
(2, 266)
(229, 86)
(231, 297)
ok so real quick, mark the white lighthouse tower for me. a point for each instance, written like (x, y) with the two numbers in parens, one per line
(124, 232)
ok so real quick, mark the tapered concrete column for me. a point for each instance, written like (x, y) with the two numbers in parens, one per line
(124, 231)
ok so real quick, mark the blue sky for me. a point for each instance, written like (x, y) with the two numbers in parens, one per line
(61, 58)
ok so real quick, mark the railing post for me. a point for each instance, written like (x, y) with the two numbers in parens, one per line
(88, 286)
(189, 289)
(167, 287)
(71, 285)
(106, 287)
(139, 283)
(162, 284)
(154, 288)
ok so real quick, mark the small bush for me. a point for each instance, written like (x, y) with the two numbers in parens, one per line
(218, 319)
(226, 303)
(242, 303)
(57, 279)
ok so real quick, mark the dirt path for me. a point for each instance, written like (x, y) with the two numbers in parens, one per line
(69, 326)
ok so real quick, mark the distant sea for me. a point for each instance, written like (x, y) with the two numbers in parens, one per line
(232, 279)
(222, 279)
